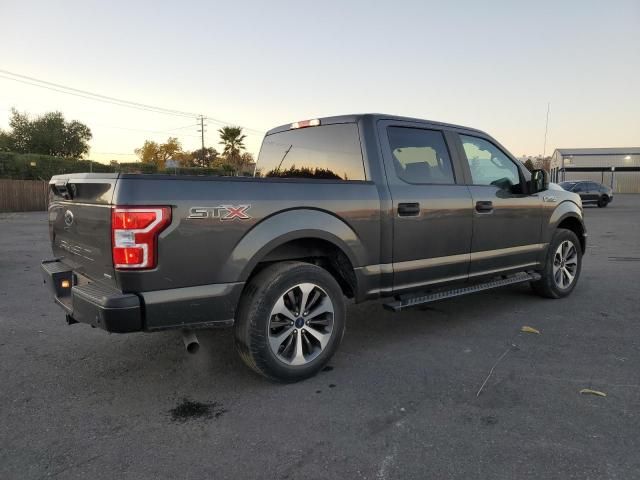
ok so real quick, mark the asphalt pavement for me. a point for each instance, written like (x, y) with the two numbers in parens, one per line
(399, 400)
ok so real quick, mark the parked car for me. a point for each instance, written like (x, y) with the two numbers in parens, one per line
(590, 192)
(356, 206)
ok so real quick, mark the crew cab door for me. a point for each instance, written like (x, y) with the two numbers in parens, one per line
(506, 219)
(432, 214)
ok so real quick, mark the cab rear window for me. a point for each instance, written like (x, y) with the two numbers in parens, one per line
(326, 152)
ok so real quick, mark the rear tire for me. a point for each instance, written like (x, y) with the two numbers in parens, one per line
(603, 201)
(562, 266)
(290, 321)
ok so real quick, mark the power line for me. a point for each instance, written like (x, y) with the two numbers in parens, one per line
(181, 128)
(97, 95)
(170, 131)
(89, 97)
(16, 77)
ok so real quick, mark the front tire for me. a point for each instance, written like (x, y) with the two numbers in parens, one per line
(290, 321)
(603, 201)
(562, 266)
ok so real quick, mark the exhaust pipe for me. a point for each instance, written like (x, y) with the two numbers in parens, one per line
(190, 341)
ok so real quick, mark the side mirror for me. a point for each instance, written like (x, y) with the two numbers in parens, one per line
(539, 181)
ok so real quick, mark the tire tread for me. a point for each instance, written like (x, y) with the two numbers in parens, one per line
(250, 339)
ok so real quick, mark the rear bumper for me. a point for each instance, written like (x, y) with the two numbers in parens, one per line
(105, 307)
(92, 303)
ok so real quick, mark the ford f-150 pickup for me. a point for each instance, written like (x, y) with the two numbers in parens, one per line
(351, 207)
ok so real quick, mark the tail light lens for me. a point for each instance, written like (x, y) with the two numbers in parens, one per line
(135, 235)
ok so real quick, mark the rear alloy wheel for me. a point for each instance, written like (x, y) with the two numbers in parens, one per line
(562, 266)
(603, 201)
(290, 321)
(301, 324)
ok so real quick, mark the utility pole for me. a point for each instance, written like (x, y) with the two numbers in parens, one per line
(546, 129)
(202, 125)
(202, 130)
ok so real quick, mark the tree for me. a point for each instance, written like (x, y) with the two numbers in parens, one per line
(204, 157)
(6, 142)
(158, 153)
(545, 163)
(184, 159)
(247, 163)
(305, 172)
(233, 140)
(149, 152)
(48, 134)
(529, 164)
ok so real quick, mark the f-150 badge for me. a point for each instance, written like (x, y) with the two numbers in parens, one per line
(222, 212)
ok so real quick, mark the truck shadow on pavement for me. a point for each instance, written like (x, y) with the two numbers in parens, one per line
(161, 360)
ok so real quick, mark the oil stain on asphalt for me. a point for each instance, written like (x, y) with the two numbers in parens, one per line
(190, 410)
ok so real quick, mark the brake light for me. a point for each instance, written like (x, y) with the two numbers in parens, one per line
(306, 123)
(135, 234)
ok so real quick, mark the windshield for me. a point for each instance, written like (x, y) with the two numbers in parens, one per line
(568, 185)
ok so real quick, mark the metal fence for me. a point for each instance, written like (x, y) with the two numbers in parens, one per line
(23, 195)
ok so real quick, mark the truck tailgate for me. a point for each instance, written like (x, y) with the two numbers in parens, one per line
(80, 223)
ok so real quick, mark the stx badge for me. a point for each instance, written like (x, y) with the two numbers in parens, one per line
(223, 212)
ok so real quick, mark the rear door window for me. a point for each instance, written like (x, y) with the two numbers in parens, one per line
(325, 152)
(420, 156)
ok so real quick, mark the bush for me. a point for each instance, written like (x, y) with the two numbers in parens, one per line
(28, 166)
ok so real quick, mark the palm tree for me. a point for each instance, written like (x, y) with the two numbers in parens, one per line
(233, 140)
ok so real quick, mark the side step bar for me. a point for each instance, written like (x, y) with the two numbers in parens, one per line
(406, 301)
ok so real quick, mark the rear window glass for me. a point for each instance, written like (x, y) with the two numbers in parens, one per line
(327, 152)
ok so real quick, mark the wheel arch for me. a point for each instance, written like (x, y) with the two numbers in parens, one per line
(313, 236)
(569, 216)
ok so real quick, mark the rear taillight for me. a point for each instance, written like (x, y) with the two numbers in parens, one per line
(135, 235)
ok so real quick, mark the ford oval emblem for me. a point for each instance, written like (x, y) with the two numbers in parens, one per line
(68, 218)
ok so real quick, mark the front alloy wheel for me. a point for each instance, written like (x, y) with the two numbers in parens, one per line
(561, 269)
(565, 264)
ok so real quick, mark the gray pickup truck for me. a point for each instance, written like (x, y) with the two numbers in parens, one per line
(351, 207)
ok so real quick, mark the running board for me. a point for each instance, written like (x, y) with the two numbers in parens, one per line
(412, 301)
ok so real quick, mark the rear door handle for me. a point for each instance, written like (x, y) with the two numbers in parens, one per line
(484, 207)
(408, 209)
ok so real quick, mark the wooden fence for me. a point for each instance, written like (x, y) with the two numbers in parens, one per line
(23, 195)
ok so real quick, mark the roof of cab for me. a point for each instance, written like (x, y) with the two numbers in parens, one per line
(356, 117)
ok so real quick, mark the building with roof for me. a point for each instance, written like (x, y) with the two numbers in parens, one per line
(617, 167)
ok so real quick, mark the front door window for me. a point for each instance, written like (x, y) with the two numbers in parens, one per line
(490, 166)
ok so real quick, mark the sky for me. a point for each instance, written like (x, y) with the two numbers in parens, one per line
(492, 65)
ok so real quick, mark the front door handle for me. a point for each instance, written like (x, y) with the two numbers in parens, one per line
(484, 207)
(408, 209)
